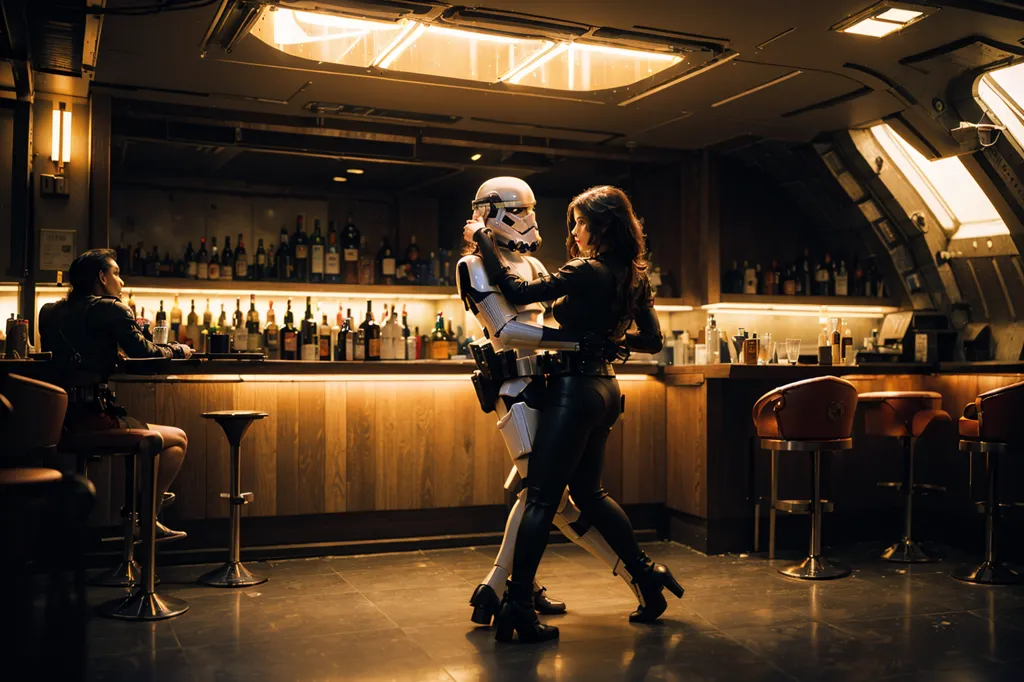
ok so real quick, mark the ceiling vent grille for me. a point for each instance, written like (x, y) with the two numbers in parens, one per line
(57, 35)
(392, 115)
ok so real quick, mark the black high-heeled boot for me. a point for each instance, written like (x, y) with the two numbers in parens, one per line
(517, 616)
(485, 604)
(650, 579)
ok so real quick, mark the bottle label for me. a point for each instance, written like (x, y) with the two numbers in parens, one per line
(387, 267)
(332, 264)
(301, 251)
(365, 272)
(373, 348)
(202, 270)
(439, 350)
(291, 342)
(325, 347)
(318, 259)
(241, 268)
(193, 269)
(261, 259)
(352, 255)
(309, 352)
(214, 271)
(226, 272)
(358, 351)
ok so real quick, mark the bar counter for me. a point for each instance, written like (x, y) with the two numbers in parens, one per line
(361, 454)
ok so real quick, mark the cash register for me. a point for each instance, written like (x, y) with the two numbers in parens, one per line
(913, 336)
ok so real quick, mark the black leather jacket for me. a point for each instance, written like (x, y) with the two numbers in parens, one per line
(84, 334)
(586, 294)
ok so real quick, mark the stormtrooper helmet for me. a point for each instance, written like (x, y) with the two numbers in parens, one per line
(505, 205)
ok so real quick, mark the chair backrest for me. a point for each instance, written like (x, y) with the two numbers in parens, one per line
(1001, 414)
(814, 409)
(37, 417)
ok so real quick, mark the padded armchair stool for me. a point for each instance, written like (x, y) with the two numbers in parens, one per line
(812, 416)
(994, 425)
(145, 446)
(904, 415)
(233, 573)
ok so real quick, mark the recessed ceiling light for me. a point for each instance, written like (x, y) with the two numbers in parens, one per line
(883, 18)
(355, 171)
(340, 178)
(476, 157)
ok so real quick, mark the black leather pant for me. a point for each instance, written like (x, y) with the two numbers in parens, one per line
(569, 450)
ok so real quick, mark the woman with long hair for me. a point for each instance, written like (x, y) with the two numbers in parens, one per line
(597, 295)
(85, 332)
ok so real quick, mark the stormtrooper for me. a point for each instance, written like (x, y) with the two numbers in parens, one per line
(509, 379)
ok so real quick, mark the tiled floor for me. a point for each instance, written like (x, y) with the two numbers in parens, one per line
(405, 617)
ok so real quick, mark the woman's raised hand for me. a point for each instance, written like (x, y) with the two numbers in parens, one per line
(472, 227)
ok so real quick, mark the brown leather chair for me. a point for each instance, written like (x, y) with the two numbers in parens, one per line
(904, 415)
(40, 409)
(815, 415)
(993, 425)
(135, 445)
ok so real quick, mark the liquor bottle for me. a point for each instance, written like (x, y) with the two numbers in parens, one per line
(765, 281)
(842, 280)
(300, 250)
(161, 316)
(192, 326)
(124, 254)
(316, 254)
(820, 280)
(131, 302)
(408, 349)
(271, 335)
(143, 323)
(239, 331)
(260, 269)
(252, 326)
(207, 316)
(227, 261)
(214, 261)
(789, 281)
(370, 332)
(203, 261)
(434, 275)
(830, 272)
(776, 287)
(385, 263)
(324, 340)
(391, 337)
(343, 346)
(339, 319)
(857, 288)
(749, 278)
(412, 261)
(350, 253)
(836, 342)
(241, 260)
(453, 341)
(729, 280)
(803, 273)
(439, 348)
(332, 257)
(366, 264)
(308, 334)
(289, 336)
(222, 321)
(138, 264)
(420, 343)
(167, 265)
(153, 264)
(285, 263)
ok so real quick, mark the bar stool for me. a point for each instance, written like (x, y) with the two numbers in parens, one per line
(904, 415)
(233, 573)
(993, 425)
(815, 415)
(145, 446)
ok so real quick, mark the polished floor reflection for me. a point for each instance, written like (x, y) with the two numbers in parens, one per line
(405, 617)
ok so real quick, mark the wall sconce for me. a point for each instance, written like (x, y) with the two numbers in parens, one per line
(61, 150)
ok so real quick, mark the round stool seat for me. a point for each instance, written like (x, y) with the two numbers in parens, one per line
(235, 422)
(900, 414)
(807, 445)
(28, 476)
(974, 445)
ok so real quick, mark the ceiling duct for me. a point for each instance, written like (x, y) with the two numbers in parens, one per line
(57, 36)
(390, 115)
(644, 40)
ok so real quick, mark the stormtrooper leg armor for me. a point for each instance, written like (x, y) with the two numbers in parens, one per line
(517, 426)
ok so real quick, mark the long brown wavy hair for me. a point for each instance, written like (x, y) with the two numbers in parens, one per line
(613, 227)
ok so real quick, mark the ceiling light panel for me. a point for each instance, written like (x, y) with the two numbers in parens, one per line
(883, 18)
(583, 67)
(328, 37)
(469, 55)
(874, 28)
(900, 16)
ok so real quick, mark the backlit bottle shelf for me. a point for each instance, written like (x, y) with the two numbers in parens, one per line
(803, 306)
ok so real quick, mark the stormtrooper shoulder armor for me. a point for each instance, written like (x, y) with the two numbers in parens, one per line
(472, 275)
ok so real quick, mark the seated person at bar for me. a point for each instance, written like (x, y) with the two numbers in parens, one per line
(84, 332)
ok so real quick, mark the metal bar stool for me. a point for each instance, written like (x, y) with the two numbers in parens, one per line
(992, 425)
(233, 573)
(813, 416)
(904, 415)
(144, 603)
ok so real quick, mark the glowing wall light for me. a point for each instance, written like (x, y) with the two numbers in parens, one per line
(60, 151)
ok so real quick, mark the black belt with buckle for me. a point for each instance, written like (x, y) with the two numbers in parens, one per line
(569, 363)
(89, 395)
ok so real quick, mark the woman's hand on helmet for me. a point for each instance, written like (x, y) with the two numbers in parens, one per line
(472, 227)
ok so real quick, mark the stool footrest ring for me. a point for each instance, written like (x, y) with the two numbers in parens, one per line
(801, 506)
(782, 445)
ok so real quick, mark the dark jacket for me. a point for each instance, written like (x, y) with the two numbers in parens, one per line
(588, 294)
(84, 335)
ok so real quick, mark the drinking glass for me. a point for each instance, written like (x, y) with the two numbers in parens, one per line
(767, 350)
(793, 350)
(701, 354)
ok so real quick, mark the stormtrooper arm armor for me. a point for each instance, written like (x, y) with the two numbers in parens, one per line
(570, 278)
(498, 316)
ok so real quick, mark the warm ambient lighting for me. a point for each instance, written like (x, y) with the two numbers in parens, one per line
(476, 157)
(457, 53)
(355, 171)
(468, 364)
(60, 151)
(340, 178)
(800, 310)
(879, 21)
(275, 293)
(673, 308)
